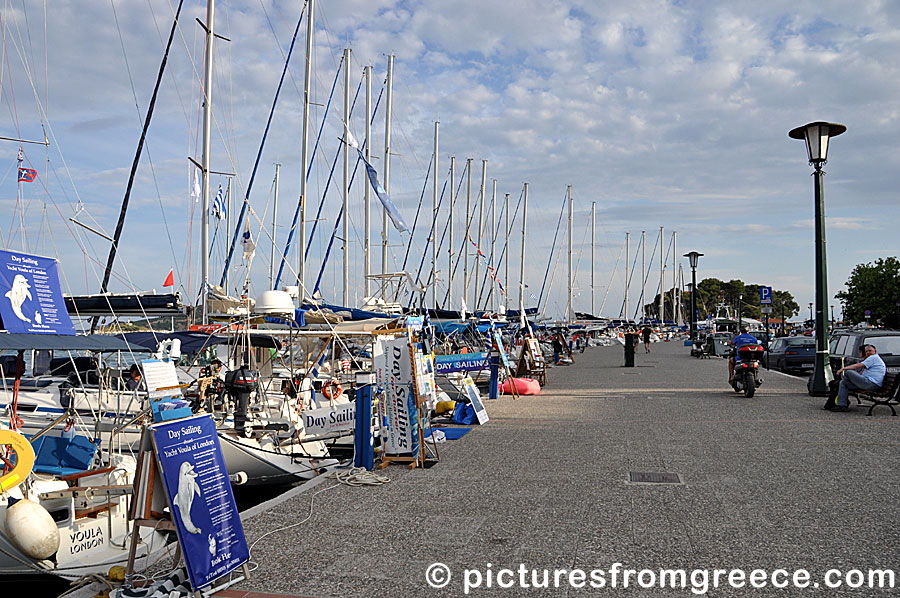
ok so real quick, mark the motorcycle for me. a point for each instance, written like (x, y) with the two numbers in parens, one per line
(746, 371)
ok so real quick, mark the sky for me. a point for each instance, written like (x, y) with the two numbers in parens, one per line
(669, 114)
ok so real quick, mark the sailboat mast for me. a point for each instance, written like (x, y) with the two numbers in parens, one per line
(345, 188)
(480, 228)
(434, 220)
(625, 308)
(643, 273)
(506, 261)
(450, 233)
(274, 221)
(662, 282)
(304, 143)
(367, 262)
(387, 160)
(522, 257)
(593, 241)
(466, 235)
(493, 243)
(207, 131)
(569, 313)
(676, 306)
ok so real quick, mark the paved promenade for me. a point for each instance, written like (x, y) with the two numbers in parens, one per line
(769, 482)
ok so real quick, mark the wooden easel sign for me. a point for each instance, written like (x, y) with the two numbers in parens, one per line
(200, 498)
(392, 362)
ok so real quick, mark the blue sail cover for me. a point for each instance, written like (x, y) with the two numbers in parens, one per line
(31, 301)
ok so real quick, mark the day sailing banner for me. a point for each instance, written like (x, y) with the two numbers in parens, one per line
(30, 297)
(203, 508)
(393, 371)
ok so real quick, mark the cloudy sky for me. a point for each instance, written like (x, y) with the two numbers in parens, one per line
(666, 114)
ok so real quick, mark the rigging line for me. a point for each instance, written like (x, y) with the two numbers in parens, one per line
(336, 224)
(628, 282)
(609, 284)
(646, 275)
(484, 281)
(427, 243)
(246, 194)
(337, 155)
(465, 236)
(137, 157)
(412, 231)
(550, 257)
(512, 224)
(578, 265)
(308, 170)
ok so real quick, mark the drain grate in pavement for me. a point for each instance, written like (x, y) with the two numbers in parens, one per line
(653, 477)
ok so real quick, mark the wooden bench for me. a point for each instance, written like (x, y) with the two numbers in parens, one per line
(886, 395)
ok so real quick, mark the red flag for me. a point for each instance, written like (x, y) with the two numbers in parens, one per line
(170, 280)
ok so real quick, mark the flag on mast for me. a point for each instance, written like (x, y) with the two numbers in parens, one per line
(195, 187)
(247, 242)
(170, 279)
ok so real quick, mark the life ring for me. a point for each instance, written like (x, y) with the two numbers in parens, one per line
(332, 389)
(24, 459)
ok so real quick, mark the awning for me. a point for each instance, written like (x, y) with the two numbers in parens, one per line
(94, 342)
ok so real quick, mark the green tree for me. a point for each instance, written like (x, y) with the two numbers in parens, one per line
(874, 287)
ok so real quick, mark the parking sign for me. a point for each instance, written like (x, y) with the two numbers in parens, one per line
(765, 295)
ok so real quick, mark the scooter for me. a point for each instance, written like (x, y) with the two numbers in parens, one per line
(746, 371)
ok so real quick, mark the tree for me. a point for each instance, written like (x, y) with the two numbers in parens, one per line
(712, 292)
(874, 287)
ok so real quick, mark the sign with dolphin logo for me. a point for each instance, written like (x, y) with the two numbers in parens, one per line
(202, 503)
(30, 297)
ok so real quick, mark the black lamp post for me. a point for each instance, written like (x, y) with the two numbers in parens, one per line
(816, 135)
(693, 257)
(740, 309)
(832, 316)
(811, 321)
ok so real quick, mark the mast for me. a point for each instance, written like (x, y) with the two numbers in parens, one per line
(207, 130)
(304, 144)
(492, 272)
(274, 220)
(466, 235)
(367, 262)
(569, 313)
(480, 227)
(434, 220)
(450, 233)
(643, 273)
(387, 161)
(593, 241)
(625, 308)
(506, 261)
(345, 188)
(227, 228)
(522, 257)
(662, 282)
(676, 305)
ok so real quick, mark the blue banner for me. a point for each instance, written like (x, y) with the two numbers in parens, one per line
(200, 498)
(30, 297)
(463, 362)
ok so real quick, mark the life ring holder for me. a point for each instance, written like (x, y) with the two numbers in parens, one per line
(24, 459)
(332, 389)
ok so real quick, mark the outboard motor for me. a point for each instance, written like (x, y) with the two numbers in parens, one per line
(240, 384)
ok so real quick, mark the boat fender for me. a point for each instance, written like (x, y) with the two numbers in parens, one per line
(443, 407)
(24, 459)
(332, 389)
(31, 529)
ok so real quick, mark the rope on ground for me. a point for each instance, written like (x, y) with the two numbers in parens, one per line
(359, 476)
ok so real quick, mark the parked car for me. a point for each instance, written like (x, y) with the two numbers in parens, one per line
(791, 353)
(845, 344)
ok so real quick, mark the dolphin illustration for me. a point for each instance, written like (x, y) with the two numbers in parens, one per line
(187, 487)
(17, 295)
(212, 544)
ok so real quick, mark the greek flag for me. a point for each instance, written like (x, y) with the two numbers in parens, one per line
(533, 296)
(219, 210)
(383, 197)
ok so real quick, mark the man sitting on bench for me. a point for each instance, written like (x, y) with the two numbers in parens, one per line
(865, 375)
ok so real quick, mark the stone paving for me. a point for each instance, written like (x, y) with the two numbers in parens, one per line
(769, 482)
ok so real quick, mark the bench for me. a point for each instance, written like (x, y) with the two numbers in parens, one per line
(886, 395)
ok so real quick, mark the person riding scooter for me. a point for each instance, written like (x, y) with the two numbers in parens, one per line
(741, 339)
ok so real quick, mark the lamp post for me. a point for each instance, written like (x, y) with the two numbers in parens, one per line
(832, 316)
(816, 136)
(811, 321)
(740, 309)
(693, 257)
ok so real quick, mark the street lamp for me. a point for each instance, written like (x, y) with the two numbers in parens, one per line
(740, 309)
(693, 257)
(816, 135)
(810, 313)
(832, 316)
